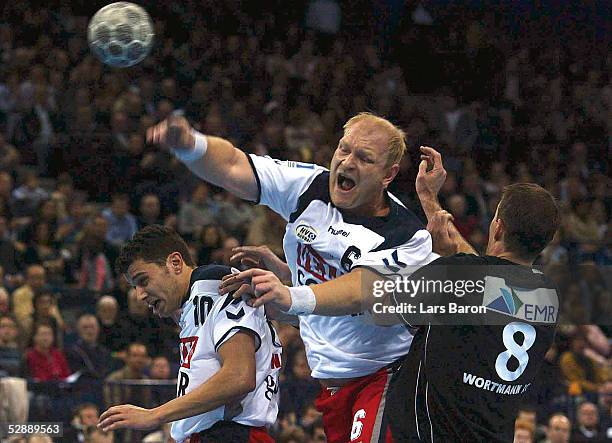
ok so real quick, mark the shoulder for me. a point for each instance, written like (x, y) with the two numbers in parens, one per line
(209, 272)
(461, 259)
(398, 228)
(317, 190)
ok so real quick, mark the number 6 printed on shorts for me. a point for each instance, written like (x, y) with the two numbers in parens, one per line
(357, 424)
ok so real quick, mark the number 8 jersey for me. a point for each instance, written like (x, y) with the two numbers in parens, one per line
(465, 376)
(207, 321)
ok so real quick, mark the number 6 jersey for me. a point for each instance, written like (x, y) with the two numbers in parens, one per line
(207, 321)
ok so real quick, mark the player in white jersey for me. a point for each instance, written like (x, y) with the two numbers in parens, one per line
(338, 221)
(230, 356)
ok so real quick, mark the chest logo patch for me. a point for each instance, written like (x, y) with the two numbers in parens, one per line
(188, 346)
(307, 234)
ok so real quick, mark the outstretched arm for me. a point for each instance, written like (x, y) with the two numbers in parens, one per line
(235, 379)
(213, 159)
(340, 296)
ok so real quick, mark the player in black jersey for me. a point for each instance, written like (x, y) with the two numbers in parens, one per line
(465, 374)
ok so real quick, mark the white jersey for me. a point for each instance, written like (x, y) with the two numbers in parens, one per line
(321, 243)
(207, 321)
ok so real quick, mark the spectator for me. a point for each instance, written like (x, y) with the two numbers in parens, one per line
(160, 368)
(95, 271)
(39, 438)
(28, 197)
(86, 415)
(95, 435)
(299, 389)
(579, 370)
(135, 363)
(121, 224)
(267, 229)
(587, 424)
(47, 312)
(87, 355)
(111, 334)
(210, 240)
(197, 212)
(44, 361)
(150, 211)
(523, 432)
(465, 223)
(10, 250)
(23, 308)
(10, 354)
(235, 215)
(558, 429)
(5, 307)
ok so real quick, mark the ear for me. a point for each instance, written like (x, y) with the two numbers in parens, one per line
(175, 262)
(390, 175)
(498, 229)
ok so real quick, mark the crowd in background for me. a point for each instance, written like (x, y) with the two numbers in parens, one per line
(77, 178)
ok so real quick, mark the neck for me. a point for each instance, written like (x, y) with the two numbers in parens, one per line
(184, 289)
(42, 350)
(514, 259)
(377, 208)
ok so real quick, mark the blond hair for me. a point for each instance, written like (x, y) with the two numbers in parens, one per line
(397, 138)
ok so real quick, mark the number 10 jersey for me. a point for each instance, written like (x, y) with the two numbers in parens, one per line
(207, 321)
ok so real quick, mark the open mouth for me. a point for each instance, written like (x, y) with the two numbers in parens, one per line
(345, 183)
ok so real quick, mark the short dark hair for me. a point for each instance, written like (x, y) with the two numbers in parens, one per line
(531, 218)
(153, 244)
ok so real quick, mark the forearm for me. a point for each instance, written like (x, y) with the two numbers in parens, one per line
(431, 205)
(341, 296)
(281, 270)
(226, 166)
(224, 387)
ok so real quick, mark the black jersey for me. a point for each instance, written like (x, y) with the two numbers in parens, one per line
(464, 383)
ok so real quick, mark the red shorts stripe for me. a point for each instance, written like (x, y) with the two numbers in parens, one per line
(260, 435)
(354, 412)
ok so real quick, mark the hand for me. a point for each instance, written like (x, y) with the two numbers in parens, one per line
(263, 285)
(431, 174)
(129, 416)
(261, 257)
(442, 233)
(174, 133)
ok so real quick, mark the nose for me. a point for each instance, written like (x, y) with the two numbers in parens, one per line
(140, 293)
(348, 162)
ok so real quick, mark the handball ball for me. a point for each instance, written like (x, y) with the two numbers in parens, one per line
(120, 34)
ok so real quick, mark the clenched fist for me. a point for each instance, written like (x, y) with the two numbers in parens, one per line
(173, 133)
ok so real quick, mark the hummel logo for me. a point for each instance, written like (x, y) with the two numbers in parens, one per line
(341, 232)
(236, 316)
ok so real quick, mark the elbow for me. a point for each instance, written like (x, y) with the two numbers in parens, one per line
(246, 383)
(243, 381)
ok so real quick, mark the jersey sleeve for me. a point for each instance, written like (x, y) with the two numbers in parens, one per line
(235, 317)
(402, 259)
(281, 183)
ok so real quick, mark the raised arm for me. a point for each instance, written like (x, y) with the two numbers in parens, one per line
(446, 238)
(213, 159)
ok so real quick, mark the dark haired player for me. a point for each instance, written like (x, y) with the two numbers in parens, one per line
(230, 357)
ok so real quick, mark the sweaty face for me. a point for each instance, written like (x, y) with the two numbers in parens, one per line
(358, 169)
(156, 286)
